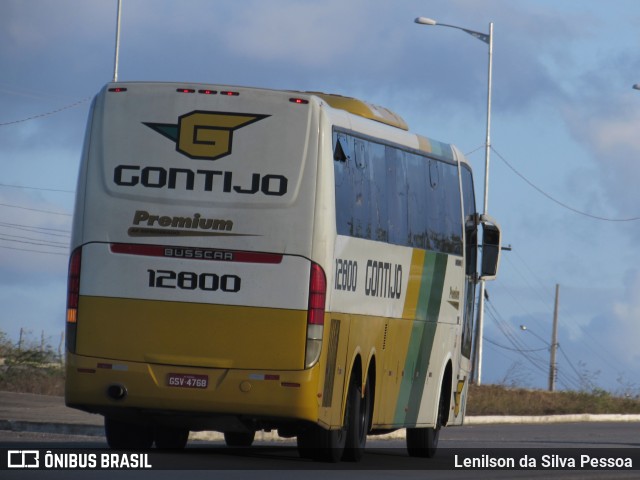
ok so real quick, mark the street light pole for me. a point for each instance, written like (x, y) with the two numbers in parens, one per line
(115, 61)
(487, 153)
(488, 39)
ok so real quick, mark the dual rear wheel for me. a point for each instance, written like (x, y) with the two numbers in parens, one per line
(348, 442)
(130, 436)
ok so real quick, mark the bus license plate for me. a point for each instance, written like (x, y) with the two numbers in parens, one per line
(185, 380)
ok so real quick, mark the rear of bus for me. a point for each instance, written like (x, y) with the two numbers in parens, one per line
(193, 300)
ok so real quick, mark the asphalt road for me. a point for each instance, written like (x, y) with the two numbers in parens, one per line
(44, 424)
(383, 459)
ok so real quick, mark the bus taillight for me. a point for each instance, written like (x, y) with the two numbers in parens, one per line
(73, 296)
(315, 314)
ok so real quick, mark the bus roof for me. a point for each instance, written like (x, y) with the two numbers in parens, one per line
(350, 105)
(363, 109)
(383, 115)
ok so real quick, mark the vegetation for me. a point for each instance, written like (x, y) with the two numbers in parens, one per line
(31, 367)
(500, 400)
(27, 367)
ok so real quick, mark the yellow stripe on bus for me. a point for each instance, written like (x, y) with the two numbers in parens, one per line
(399, 334)
(193, 334)
(413, 287)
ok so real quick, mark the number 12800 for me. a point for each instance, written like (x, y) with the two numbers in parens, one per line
(209, 282)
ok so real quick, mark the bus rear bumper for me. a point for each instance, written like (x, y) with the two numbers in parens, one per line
(198, 398)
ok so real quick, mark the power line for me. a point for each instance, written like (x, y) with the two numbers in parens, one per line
(32, 251)
(6, 236)
(35, 210)
(598, 348)
(35, 229)
(566, 357)
(535, 360)
(518, 350)
(46, 114)
(36, 188)
(504, 326)
(553, 199)
(42, 244)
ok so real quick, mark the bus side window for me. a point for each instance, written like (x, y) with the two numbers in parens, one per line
(341, 151)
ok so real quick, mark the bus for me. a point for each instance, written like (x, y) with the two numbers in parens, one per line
(247, 259)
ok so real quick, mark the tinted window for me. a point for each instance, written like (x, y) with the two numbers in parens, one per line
(388, 194)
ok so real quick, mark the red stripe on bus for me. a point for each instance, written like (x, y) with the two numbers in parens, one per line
(192, 253)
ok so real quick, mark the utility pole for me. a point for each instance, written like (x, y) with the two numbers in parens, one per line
(554, 344)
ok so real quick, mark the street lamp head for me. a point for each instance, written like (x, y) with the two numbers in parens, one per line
(425, 21)
(635, 87)
(523, 327)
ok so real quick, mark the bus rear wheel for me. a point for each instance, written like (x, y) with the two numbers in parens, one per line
(346, 443)
(422, 442)
(127, 436)
(168, 438)
(239, 439)
(358, 427)
(322, 445)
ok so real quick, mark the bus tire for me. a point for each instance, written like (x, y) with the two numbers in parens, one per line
(322, 445)
(422, 442)
(304, 442)
(358, 425)
(239, 439)
(127, 436)
(168, 438)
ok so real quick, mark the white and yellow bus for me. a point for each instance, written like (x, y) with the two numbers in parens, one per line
(247, 259)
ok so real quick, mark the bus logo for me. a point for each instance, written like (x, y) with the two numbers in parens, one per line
(203, 135)
(23, 459)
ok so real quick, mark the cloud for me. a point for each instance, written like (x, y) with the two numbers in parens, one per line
(35, 27)
(619, 328)
(609, 131)
(311, 34)
(627, 317)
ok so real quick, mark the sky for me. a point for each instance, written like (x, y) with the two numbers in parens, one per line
(565, 138)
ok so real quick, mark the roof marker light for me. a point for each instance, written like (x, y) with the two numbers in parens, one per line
(300, 101)
(207, 92)
(229, 93)
(118, 89)
(185, 90)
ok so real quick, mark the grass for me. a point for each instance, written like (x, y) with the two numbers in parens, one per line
(500, 400)
(39, 380)
(28, 367)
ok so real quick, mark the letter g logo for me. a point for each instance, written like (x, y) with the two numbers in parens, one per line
(205, 135)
